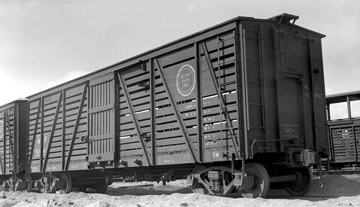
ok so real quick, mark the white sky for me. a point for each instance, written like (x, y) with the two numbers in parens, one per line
(47, 42)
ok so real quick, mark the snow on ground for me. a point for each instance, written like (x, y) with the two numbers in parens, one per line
(335, 190)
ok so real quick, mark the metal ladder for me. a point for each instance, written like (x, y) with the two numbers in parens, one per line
(257, 83)
(10, 136)
(219, 88)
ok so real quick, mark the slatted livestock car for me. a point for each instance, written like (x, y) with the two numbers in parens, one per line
(343, 112)
(13, 134)
(236, 109)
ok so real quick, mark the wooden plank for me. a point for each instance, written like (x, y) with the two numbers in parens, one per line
(73, 93)
(177, 56)
(138, 108)
(51, 99)
(73, 108)
(227, 57)
(134, 145)
(217, 127)
(214, 100)
(126, 126)
(134, 120)
(228, 79)
(175, 141)
(228, 40)
(138, 95)
(143, 77)
(128, 132)
(215, 111)
(218, 134)
(164, 120)
(73, 99)
(76, 127)
(167, 126)
(132, 72)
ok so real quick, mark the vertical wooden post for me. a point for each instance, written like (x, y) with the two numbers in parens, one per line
(348, 106)
(199, 102)
(153, 112)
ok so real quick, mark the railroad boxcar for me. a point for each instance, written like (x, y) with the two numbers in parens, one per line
(343, 112)
(236, 109)
(13, 133)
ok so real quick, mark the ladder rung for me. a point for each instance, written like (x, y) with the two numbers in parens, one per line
(226, 62)
(257, 104)
(228, 83)
(229, 105)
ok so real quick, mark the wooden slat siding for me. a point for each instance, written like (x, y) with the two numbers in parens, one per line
(227, 37)
(227, 58)
(81, 106)
(175, 57)
(71, 107)
(68, 122)
(8, 152)
(57, 160)
(133, 71)
(12, 138)
(212, 91)
(2, 143)
(58, 156)
(210, 128)
(215, 110)
(209, 33)
(226, 73)
(4, 151)
(55, 118)
(58, 142)
(152, 114)
(344, 144)
(41, 131)
(134, 153)
(177, 113)
(134, 120)
(136, 80)
(68, 129)
(221, 98)
(210, 136)
(32, 144)
(73, 93)
(141, 105)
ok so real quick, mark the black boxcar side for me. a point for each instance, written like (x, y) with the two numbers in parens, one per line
(231, 106)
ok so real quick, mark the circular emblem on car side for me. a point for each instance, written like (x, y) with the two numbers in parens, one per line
(185, 80)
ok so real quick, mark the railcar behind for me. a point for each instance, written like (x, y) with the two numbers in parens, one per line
(343, 113)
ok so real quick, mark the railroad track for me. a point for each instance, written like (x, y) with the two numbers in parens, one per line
(336, 172)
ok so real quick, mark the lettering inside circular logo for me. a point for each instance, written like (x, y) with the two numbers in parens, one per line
(185, 80)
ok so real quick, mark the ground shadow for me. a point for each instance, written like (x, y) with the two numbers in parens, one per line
(328, 187)
(147, 190)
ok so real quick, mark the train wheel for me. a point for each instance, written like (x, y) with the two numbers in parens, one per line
(64, 184)
(261, 181)
(303, 183)
(196, 186)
